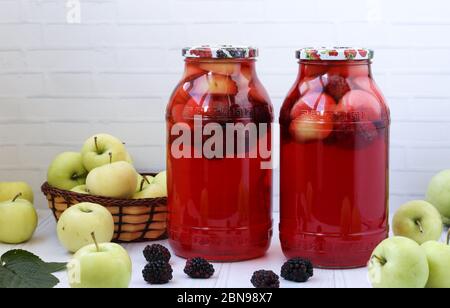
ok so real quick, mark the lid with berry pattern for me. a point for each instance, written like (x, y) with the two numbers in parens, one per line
(335, 54)
(220, 52)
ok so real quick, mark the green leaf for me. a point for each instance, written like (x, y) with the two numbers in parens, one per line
(26, 276)
(22, 269)
(21, 256)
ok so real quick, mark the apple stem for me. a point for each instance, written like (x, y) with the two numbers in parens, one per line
(110, 157)
(17, 197)
(419, 224)
(95, 241)
(379, 259)
(448, 237)
(144, 180)
(142, 185)
(96, 144)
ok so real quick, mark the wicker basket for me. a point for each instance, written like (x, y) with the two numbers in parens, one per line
(135, 220)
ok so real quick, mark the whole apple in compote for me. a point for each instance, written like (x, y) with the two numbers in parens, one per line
(214, 84)
(311, 117)
(361, 104)
(311, 84)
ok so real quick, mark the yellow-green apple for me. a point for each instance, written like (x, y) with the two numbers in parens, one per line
(143, 182)
(78, 222)
(80, 190)
(129, 159)
(161, 179)
(96, 266)
(116, 180)
(102, 149)
(9, 190)
(150, 192)
(419, 221)
(398, 262)
(438, 255)
(67, 171)
(439, 194)
(18, 221)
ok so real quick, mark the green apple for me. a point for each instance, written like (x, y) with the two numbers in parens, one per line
(439, 194)
(80, 190)
(398, 262)
(100, 266)
(129, 159)
(161, 179)
(143, 182)
(438, 255)
(446, 221)
(102, 149)
(18, 221)
(77, 223)
(150, 192)
(419, 221)
(67, 171)
(9, 190)
(116, 180)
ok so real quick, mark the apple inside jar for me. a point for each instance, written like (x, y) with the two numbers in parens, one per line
(356, 117)
(312, 117)
(214, 84)
(309, 85)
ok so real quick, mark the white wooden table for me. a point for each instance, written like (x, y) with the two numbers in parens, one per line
(236, 275)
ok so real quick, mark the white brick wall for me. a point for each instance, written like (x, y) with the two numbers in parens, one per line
(60, 82)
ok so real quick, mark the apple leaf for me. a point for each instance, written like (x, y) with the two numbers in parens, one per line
(14, 257)
(22, 269)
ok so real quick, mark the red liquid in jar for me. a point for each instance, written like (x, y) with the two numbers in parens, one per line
(334, 166)
(220, 208)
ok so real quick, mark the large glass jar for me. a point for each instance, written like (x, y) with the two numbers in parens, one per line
(219, 123)
(334, 160)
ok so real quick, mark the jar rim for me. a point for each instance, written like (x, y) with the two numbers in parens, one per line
(335, 54)
(220, 52)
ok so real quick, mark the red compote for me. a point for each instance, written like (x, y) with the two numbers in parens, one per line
(334, 160)
(219, 157)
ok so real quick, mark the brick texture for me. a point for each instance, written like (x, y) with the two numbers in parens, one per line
(61, 82)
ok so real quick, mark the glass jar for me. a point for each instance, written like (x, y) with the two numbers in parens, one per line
(334, 160)
(219, 123)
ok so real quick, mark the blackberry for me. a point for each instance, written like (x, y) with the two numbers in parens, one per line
(158, 272)
(297, 270)
(199, 268)
(265, 280)
(337, 87)
(157, 253)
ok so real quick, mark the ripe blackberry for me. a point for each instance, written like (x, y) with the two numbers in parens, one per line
(158, 272)
(157, 253)
(297, 270)
(199, 268)
(265, 280)
(337, 86)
